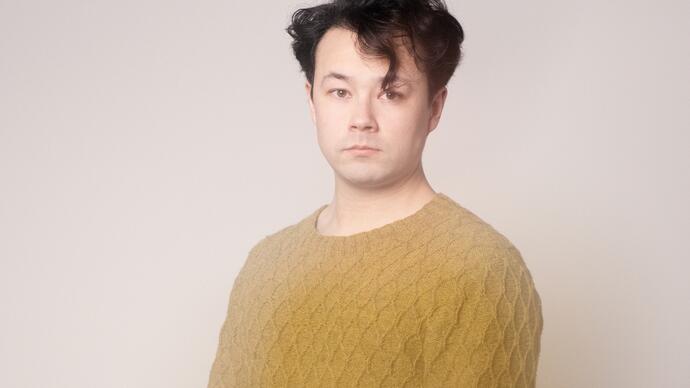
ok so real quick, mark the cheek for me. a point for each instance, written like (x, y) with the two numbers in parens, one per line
(331, 126)
(407, 144)
(325, 116)
(327, 137)
(407, 124)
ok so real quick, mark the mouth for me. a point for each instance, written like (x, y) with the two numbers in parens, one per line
(363, 151)
(361, 147)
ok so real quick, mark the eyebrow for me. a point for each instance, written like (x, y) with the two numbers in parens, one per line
(332, 74)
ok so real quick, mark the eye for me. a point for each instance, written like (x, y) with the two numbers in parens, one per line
(392, 95)
(337, 92)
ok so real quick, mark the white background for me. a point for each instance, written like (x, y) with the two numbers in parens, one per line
(146, 146)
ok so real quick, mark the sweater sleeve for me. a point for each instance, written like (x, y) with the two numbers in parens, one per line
(486, 332)
(225, 370)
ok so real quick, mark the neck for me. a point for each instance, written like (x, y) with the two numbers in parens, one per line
(357, 209)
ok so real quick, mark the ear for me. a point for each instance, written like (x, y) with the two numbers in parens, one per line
(307, 88)
(437, 107)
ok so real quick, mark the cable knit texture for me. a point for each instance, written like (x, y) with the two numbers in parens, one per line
(435, 299)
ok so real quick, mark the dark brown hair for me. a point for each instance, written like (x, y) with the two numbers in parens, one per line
(432, 36)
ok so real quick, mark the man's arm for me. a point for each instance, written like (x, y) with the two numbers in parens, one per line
(487, 330)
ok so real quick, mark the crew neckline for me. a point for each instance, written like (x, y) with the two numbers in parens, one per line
(427, 216)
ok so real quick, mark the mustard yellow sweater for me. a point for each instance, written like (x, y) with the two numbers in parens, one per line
(436, 299)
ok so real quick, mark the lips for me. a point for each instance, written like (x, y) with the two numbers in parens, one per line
(362, 147)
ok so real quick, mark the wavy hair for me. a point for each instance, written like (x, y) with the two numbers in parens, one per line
(431, 35)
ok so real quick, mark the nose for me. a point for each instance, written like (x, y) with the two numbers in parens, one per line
(362, 115)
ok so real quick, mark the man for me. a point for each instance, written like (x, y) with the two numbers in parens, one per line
(391, 284)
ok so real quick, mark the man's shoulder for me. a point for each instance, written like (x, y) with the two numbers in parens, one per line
(481, 257)
(470, 237)
(283, 236)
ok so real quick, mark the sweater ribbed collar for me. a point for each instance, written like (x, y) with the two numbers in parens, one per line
(403, 229)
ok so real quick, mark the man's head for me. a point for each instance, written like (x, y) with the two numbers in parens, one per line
(376, 75)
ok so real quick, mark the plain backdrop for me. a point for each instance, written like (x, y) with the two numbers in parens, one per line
(146, 146)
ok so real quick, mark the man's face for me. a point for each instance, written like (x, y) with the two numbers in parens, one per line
(355, 111)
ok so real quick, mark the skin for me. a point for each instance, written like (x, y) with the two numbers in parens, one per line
(389, 184)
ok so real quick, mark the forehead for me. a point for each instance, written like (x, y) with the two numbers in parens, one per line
(337, 53)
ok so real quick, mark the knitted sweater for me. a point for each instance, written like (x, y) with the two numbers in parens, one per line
(436, 299)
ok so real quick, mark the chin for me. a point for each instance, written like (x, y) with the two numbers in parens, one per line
(363, 176)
